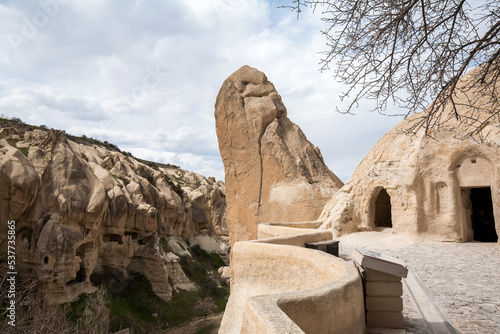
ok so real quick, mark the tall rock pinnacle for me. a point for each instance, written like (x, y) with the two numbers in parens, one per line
(272, 172)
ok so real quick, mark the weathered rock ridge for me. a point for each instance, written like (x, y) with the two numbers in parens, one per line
(272, 172)
(84, 211)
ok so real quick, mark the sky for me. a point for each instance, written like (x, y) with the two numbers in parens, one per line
(144, 75)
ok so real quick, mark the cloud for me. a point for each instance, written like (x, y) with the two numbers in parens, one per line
(144, 75)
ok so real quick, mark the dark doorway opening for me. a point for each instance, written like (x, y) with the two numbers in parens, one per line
(483, 221)
(383, 209)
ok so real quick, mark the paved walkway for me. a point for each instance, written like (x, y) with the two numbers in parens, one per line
(459, 281)
(209, 325)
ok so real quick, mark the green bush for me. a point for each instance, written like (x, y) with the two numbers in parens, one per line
(138, 307)
(198, 271)
(175, 186)
(24, 150)
(147, 174)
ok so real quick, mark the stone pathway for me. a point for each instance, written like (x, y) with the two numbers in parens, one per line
(461, 279)
(210, 325)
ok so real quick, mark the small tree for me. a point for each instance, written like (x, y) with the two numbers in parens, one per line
(205, 306)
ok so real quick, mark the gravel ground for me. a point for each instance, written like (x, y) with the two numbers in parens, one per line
(462, 278)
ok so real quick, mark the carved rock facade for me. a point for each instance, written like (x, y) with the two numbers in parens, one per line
(442, 187)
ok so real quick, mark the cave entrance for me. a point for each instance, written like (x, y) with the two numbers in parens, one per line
(383, 217)
(483, 221)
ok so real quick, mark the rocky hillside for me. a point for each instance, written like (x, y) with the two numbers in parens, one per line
(84, 211)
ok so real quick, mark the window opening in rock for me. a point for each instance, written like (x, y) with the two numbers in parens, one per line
(111, 237)
(80, 276)
(383, 209)
(483, 221)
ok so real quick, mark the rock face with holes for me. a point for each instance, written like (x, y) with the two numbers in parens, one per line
(272, 172)
(428, 187)
(83, 211)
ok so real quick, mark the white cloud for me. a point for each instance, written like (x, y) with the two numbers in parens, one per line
(145, 74)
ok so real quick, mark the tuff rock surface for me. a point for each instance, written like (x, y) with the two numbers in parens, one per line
(84, 211)
(428, 179)
(272, 172)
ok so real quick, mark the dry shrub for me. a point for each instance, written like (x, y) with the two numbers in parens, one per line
(95, 318)
(36, 314)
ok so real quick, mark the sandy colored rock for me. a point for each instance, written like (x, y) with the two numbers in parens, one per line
(86, 212)
(210, 244)
(272, 172)
(225, 274)
(427, 187)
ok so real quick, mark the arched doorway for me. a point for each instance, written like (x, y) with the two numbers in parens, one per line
(383, 209)
(483, 221)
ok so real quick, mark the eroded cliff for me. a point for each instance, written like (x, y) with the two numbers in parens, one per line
(85, 211)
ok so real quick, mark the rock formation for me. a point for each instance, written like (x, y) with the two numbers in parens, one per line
(428, 187)
(84, 211)
(272, 172)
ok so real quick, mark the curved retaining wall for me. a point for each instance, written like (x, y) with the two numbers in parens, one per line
(279, 286)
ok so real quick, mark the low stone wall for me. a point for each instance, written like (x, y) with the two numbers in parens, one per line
(271, 230)
(279, 286)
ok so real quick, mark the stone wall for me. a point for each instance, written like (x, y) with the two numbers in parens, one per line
(278, 286)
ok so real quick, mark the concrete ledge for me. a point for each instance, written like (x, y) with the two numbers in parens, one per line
(270, 230)
(279, 286)
(298, 240)
(314, 224)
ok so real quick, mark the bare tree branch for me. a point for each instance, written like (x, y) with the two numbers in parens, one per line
(411, 53)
